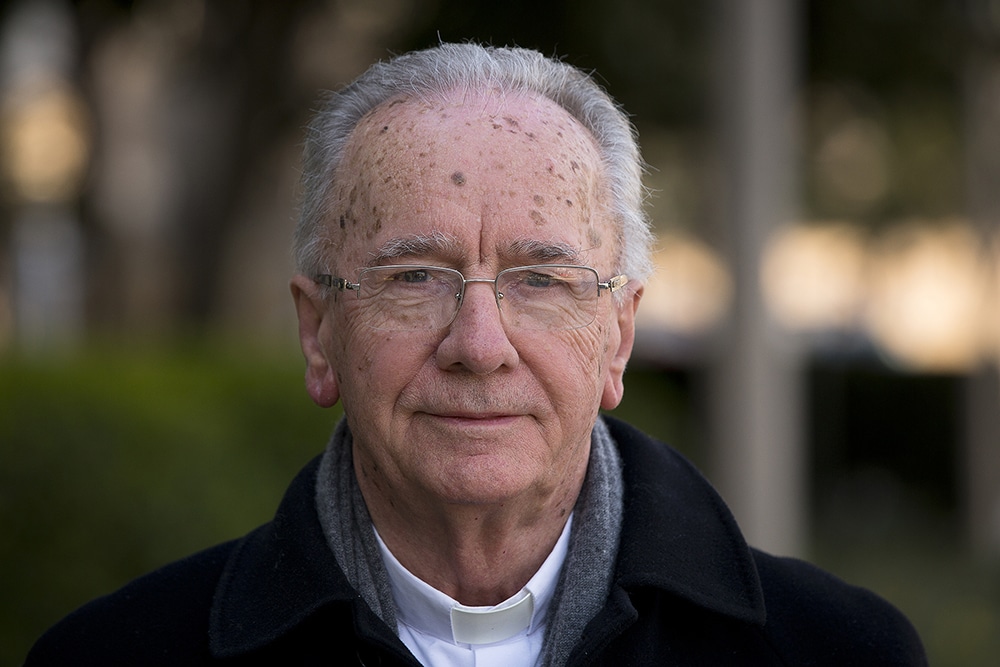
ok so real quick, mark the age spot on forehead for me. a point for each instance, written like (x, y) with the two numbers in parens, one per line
(537, 217)
(458, 178)
(594, 237)
(376, 225)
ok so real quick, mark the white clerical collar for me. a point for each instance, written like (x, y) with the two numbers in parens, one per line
(428, 610)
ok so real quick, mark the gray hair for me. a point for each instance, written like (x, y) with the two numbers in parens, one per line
(470, 66)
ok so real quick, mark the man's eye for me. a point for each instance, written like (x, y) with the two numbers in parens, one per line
(416, 276)
(540, 280)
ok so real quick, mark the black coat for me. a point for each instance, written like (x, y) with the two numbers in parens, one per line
(687, 591)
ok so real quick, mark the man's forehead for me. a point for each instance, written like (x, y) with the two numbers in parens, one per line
(524, 113)
(418, 174)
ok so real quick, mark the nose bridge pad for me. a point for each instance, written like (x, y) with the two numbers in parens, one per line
(497, 296)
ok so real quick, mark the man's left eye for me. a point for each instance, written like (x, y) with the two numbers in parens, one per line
(417, 276)
(540, 280)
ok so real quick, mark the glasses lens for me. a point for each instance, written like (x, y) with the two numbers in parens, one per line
(548, 297)
(405, 298)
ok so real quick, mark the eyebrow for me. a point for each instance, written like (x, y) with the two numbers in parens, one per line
(544, 251)
(439, 243)
(414, 245)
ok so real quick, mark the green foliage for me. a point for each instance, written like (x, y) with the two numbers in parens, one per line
(112, 465)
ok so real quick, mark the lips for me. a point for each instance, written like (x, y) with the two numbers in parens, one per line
(472, 420)
(474, 416)
(473, 401)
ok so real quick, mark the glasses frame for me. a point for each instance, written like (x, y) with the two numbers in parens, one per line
(612, 284)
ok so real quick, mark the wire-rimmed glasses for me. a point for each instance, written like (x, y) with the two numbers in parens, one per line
(542, 297)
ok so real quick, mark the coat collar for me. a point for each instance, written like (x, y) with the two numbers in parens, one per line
(677, 536)
(277, 576)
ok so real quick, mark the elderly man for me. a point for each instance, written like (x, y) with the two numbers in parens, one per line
(471, 255)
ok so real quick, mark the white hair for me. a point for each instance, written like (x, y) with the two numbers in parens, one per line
(470, 66)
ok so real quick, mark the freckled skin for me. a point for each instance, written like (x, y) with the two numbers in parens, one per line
(394, 166)
(446, 186)
(475, 421)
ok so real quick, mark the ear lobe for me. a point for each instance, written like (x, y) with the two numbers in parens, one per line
(321, 377)
(614, 386)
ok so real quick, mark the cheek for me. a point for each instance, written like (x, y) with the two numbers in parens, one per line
(591, 349)
(575, 362)
(352, 349)
(386, 360)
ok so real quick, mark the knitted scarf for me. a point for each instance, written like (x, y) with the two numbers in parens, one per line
(585, 578)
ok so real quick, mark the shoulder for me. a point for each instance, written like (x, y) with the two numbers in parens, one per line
(160, 618)
(811, 612)
(678, 536)
(260, 585)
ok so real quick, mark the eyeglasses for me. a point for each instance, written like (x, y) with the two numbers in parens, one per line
(543, 297)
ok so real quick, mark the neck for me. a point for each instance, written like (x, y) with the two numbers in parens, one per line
(479, 555)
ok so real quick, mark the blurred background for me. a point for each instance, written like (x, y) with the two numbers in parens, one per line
(822, 336)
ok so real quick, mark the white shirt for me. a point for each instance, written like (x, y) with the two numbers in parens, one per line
(440, 631)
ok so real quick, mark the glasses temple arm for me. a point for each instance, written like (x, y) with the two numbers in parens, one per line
(614, 284)
(340, 283)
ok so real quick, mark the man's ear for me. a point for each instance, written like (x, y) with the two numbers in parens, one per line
(321, 376)
(614, 386)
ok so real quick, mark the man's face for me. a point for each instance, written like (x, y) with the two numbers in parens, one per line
(478, 412)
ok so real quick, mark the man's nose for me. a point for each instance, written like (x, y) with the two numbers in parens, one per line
(477, 339)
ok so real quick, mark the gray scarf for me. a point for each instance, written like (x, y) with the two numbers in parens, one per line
(586, 574)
